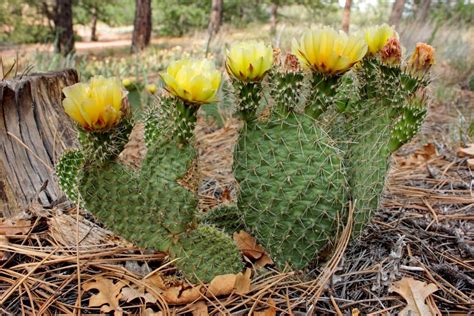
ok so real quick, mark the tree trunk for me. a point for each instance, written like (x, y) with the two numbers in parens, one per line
(346, 17)
(142, 25)
(215, 20)
(273, 18)
(34, 130)
(423, 11)
(397, 12)
(63, 22)
(94, 37)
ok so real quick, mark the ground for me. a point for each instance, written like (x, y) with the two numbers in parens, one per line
(60, 260)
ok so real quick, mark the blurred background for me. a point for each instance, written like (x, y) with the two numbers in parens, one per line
(136, 39)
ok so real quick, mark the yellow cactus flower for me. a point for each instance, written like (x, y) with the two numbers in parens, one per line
(96, 105)
(151, 88)
(422, 59)
(249, 61)
(327, 51)
(193, 80)
(378, 36)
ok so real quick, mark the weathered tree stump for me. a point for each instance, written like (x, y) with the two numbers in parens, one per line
(34, 130)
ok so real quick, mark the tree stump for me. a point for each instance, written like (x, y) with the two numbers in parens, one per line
(34, 130)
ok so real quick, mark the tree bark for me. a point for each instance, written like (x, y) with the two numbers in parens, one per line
(273, 17)
(346, 17)
(64, 43)
(34, 130)
(141, 25)
(215, 19)
(397, 12)
(94, 37)
(423, 11)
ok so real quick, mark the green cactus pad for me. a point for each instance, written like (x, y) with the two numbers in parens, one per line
(292, 187)
(205, 253)
(105, 145)
(67, 170)
(225, 216)
(286, 88)
(368, 161)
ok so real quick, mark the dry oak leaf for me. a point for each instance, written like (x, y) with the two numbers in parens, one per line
(470, 163)
(248, 245)
(3, 242)
(467, 151)
(420, 156)
(415, 293)
(130, 293)
(219, 286)
(269, 311)
(228, 283)
(14, 226)
(108, 296)
(199, 309)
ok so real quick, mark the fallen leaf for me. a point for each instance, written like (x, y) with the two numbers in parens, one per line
(248, 245)
(156, 281)
(470, 163)
(221, 285)
(420, 156)
(467, 151)
(151, 312)
(180, 295)
(14, 226)
(108, 296)
(269, 311)
(415, 293)
(242, 282)
(130, 293)
(199, 309)
(3, 242)
(355, 312)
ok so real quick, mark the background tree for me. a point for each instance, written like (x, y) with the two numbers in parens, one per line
(346, 16)
(215, 19)
(141, 25)
(397, 12)
(423, 11)
(60, 13)
(89, 12)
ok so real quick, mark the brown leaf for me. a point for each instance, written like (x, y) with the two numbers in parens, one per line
(248, 245)
(242, 282)
(14, 226)
(222, 285)
(420, 156)
(415, 293)
(151, 312)
(156, 282)
(355, 312)
(180, 295)
(3, 242)
(467, 151)
(470, 163)
(108, 296)
(130, 293)
(269, 311)
(199, 309)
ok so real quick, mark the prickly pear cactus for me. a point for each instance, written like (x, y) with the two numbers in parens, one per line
(319, 127)
(150, 207)
(391, 109)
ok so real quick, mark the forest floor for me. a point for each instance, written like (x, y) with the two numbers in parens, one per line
(60, 260)
(421, 241)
